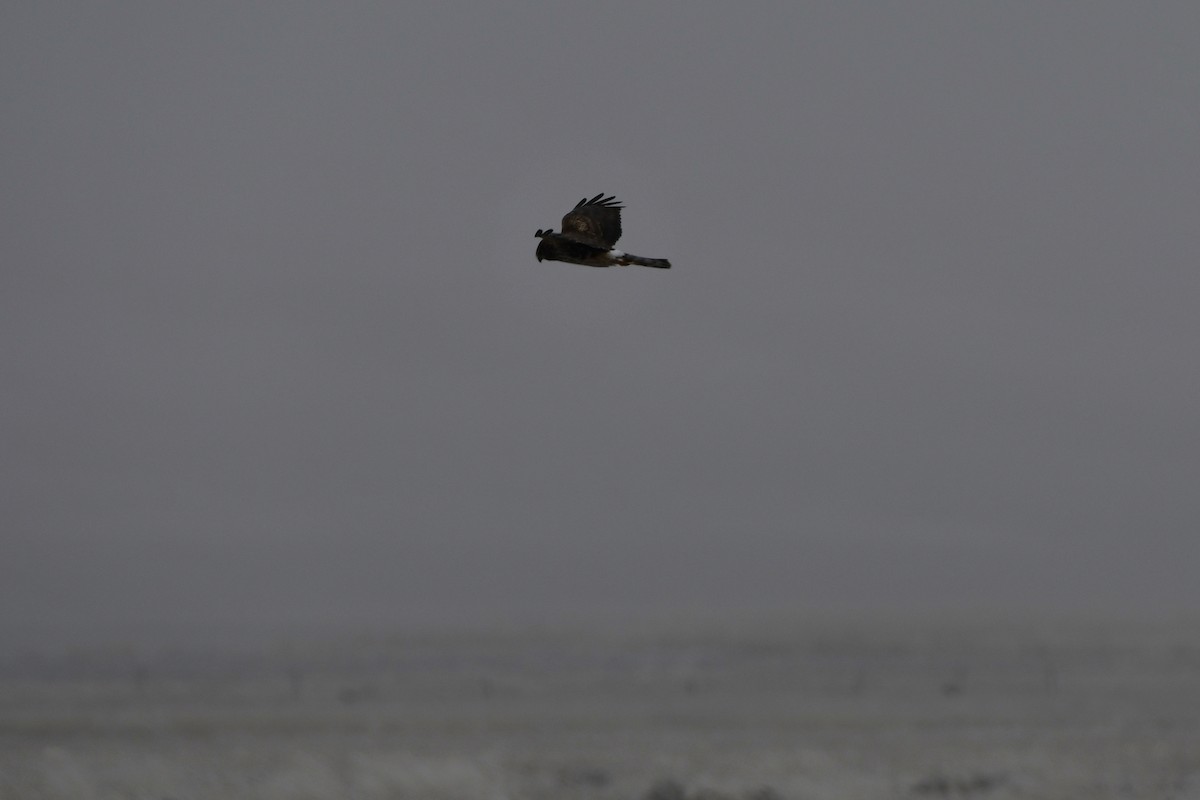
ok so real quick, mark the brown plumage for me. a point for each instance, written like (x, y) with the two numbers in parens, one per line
(589, 232)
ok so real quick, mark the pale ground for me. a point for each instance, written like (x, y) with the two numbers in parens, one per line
(785, 713)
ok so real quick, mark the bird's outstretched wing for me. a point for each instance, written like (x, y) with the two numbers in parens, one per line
(595, 222)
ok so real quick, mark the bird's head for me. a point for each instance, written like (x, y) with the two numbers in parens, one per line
(541, 248)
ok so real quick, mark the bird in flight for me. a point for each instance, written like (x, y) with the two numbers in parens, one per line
(589, 231)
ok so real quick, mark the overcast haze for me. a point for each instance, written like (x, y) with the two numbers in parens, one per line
(277, 354)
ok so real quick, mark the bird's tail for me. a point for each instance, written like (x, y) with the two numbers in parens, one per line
(657, 263)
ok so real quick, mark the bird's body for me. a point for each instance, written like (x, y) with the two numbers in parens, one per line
(589, 232)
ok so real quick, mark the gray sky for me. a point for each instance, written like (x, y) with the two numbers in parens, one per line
(277, 354)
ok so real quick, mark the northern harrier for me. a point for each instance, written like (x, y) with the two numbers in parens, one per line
(589, 232)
